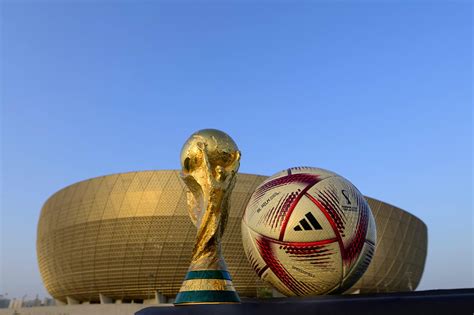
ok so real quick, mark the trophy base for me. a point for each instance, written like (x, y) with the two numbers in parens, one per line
(207, 287)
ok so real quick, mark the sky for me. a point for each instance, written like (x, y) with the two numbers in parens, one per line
(377, 91)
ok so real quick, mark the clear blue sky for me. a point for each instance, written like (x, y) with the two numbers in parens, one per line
(379, 92)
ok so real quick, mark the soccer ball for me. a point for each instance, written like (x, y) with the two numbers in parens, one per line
(308, 231)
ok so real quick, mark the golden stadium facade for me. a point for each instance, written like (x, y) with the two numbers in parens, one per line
(128, 237)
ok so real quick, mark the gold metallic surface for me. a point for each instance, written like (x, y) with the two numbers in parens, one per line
(127, 235)
(209, 159)
(207, 284)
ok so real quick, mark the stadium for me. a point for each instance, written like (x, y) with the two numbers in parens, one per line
(127, 237)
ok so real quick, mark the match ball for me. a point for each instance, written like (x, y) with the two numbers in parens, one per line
(308, 231)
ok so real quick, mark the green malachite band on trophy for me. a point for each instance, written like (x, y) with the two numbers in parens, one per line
(210, 277)
(207, 296)
(208, 274)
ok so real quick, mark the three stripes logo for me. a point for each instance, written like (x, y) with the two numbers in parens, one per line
(304, 225)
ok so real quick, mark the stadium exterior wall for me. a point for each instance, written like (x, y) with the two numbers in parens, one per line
(128, 236)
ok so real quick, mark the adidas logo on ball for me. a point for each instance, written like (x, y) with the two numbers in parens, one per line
(303, 223)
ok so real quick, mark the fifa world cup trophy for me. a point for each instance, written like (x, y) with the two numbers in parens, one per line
(210, 160)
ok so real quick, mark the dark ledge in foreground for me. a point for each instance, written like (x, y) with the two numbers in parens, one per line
(457, 301)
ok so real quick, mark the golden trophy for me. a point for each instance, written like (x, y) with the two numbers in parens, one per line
(209, 160)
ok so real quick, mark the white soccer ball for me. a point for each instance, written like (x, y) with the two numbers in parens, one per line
(308, 231)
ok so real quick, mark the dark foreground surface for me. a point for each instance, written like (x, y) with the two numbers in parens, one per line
(458, 301)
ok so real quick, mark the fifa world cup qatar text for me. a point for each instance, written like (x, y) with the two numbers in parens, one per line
(308, 231)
